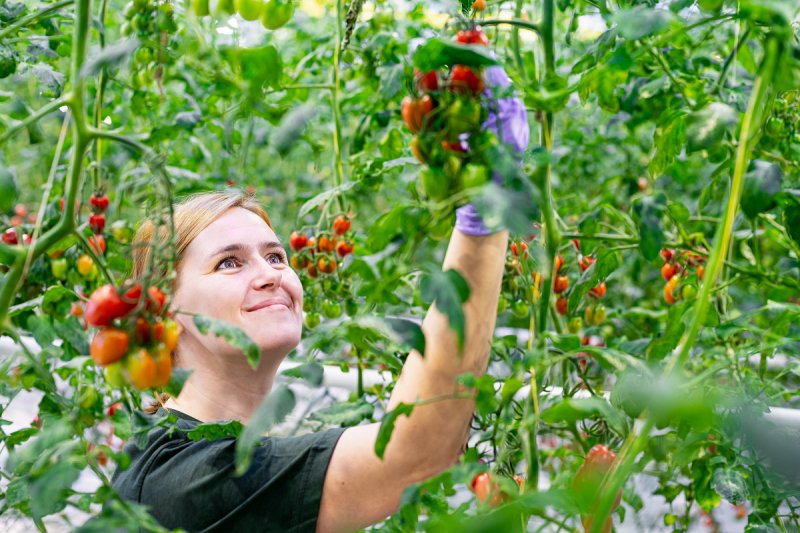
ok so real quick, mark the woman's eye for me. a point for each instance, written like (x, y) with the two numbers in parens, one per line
(228, 262)
(276, 258)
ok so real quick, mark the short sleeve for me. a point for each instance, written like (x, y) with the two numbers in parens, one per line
(193, 485)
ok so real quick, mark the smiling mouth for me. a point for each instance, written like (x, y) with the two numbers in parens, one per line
(269, 305)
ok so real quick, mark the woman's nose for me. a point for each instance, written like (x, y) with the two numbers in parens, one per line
(266, 275)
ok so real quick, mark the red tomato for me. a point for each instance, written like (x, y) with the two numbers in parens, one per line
(326, 265)
(344, 248)
(325, 244)
(464, 79)
(156, 300)
(341, 225)
(560, 284)
(586, 261)
(561, 305)
(105, 305)
(97, 222)
(10, 236)
(428, 81)
(472, 36)
(668, 270)
(297, 241)
(599, 290)
(99, 202)
(559, 262)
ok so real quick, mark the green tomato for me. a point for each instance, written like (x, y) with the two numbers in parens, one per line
(452, 168)
(434, 183)
(474, 175)
(226, 6)
(463, 115)
(276, 14)
(775, 127)
(350, 307)
(331, 309)
(520, 308)
(200, 8)
(249, 9)
(58, 267)
(595, 314)
(114, 375)
(688, 292)
(575, 324)
(87, 396)
(312, 320)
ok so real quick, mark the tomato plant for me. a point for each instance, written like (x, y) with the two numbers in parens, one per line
(649, 300)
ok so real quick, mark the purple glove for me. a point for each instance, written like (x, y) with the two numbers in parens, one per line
(508, 120)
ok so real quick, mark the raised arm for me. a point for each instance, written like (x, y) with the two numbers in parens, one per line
(361, 489)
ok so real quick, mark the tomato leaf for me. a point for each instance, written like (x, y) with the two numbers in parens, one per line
(448, 291)
(571, 410)
(791, 221)
(410, 332)
(273, 410)
(761, 185)
(387, 426)
(436, 53)
(640, 22)
(647, 212)
(345, 414)
(214, 431)
(312, 372)
(235, 336)
(668, 340)
(708, 126)
(48, 491)
(109, 57)
(324, 196)
(177, 381)
(260, 66)
(288, 132)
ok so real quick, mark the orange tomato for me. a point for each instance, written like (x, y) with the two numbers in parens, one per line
(109, 345)
(669, 289)
(560, 284)
(163, 362)
(141, 369)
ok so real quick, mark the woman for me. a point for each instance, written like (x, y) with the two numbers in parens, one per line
(233, 267)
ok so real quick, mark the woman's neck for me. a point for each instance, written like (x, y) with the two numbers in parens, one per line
(211, 394)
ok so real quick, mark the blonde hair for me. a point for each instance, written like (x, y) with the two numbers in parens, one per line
(191, 216)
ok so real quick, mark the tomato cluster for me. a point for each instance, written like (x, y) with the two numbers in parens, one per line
(317, 258)
(445, 113)
(588, 481)
(488, 490)
(676, 272)
(135, 339)
(273, 14)
(153, 23)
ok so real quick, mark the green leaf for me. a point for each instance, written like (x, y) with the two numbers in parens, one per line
(761, 185)
(8, 189)
(648, 211)
(72, 332)
(791, 221)
(448, 291)
(273, 410)
(312, 372)
(109, 57)
(48, 491)
(730, 484)
(177, 380)
(345, 414)
(607, 262)
(235, 337)
(215, 431)
(324, 196)
(387, 426)
(640, 22)
(286, 135)
(571, 410)
(708, 126)
(410, 332)
(662, 345)
(510, 387)
(437, 53)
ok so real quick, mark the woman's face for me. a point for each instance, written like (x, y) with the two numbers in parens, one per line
(237, 271)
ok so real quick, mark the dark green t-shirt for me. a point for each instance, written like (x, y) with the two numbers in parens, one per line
(192, 485)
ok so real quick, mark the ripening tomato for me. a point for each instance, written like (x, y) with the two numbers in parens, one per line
(344, 248)
(595, 314)
(172, 332)
(98, 244)
(297, 241)
(109, 345)
(326, 265)
(311, 270)
(325, 244)
(560, 284)
(588, 480)
(559, 262)
(299, 262)
(10, 236)
(668, 270)
(415, 112)
(58, 267)
(141, 332)
(667, 254)
(586, 261)
(481, 485)
(561, 305)
(85, 265)
(417, 151)
(428, 81)
(156, 300)
(464, 79)
(341, 225)
(472, 36)
(163, 361)
(700, 271)
(599, 290)
(479, 5)
(141, 369)
(575, 324)
(114, 377)
(669, 289)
